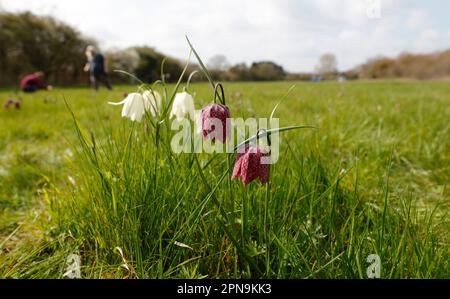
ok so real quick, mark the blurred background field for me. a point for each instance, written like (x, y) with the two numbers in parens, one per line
(372, 132)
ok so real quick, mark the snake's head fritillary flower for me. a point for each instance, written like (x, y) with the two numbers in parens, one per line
(152, 100)
(17, 104)
(198, 122)
(134, 106)
(212, 117)
(183, 104)
(8, 103)
(249, 166)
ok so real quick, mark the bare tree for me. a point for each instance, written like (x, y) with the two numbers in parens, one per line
(219, 63)
(327, 64)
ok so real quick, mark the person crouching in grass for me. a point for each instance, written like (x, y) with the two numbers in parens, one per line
(96, 66)
(34, 82)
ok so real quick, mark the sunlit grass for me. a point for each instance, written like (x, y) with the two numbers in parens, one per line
(373, 179)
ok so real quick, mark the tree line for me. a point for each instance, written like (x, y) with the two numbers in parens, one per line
(410, 66)
(30, 43)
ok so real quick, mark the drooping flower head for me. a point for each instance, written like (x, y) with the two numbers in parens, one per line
(249, 165)
(214, 122)
(183, 104)
(135, 105)
(152, 100)
(8, 103)
(215, 118)
(198, 121)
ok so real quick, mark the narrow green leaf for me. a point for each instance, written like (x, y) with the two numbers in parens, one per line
(129, 74)
(271, 131)
(202, 65)
(282, 99)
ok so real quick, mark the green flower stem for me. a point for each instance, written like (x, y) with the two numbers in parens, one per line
(266, 228)
(224, 226)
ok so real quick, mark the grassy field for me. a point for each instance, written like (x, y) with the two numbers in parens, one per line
(373, 178)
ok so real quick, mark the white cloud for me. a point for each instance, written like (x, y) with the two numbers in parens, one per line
(343, 12)
(416, 19)
(290, 32)
(427, 40)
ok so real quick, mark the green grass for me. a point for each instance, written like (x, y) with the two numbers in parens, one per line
(372, 179)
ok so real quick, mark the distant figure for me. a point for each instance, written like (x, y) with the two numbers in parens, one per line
(96, 66)
(34, 82)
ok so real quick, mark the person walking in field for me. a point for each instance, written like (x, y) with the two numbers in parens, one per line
(96, 67)
(34, 82)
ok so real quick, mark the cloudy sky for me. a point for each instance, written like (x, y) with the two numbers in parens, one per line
(292, 33)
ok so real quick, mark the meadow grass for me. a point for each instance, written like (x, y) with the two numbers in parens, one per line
(372, 179)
